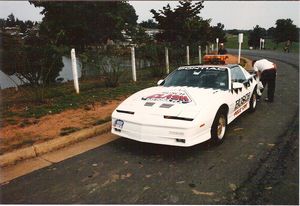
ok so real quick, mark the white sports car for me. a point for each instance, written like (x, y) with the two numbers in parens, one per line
(191, 105)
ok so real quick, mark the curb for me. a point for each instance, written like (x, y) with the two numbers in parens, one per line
(51, 145)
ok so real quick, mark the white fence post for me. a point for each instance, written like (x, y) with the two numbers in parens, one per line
(260, 43)
(240, 46)
(167, 60)
(74, 70)
(133, 64)
(200, 56)
(217, 41)
(187, 55)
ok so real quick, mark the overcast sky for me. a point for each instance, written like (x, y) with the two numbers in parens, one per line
(233, 14)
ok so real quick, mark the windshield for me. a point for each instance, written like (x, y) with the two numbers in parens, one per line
(216, 78)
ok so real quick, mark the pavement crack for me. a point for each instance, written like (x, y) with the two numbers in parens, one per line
(41, 157)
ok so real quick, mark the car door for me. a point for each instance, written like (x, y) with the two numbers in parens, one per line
(240, 97)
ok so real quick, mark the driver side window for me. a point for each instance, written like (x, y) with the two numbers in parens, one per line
(237, 75)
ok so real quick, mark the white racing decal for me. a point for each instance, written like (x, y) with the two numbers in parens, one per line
(201, 68)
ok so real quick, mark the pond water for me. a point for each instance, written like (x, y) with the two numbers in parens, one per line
(7, 81)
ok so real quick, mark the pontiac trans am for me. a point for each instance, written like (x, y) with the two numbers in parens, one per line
(191, 105)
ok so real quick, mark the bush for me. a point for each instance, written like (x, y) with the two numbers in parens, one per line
(110, 68)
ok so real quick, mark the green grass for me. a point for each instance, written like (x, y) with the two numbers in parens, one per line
(232, 43)
(101, 121)
(270, 45)
(58, 98)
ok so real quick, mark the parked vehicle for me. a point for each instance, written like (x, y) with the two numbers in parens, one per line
(191, 105)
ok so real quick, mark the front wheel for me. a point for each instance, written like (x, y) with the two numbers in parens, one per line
(253, 101)
(218, 128)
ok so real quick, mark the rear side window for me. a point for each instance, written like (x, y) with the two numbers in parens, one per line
(237, 75)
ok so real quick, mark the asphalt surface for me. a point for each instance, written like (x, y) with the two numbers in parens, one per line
(258, 163)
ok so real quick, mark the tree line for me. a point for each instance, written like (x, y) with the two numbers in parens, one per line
(90, 24)
(284, 31)
(11, 21)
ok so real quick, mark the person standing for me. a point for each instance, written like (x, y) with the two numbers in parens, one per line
(222, 49)
(266, 71)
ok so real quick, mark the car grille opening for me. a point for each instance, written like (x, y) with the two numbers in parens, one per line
(180, 140)
(178, 118)
(166, 105)
(126, 112)
(149, 104)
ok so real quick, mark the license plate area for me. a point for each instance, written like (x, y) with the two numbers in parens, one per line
(118, 124)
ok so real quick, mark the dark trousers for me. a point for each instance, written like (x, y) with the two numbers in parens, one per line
(268, 77)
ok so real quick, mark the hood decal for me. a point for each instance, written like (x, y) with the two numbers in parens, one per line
(170, 96)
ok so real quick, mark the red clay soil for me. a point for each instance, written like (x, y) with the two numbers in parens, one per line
(50, 126)
(233, 60)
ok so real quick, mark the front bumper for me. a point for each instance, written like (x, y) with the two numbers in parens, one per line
(161, 133)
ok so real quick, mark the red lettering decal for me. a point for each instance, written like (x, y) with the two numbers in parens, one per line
(175, 97)
(169, 96)
(155, 96)
(184, 99)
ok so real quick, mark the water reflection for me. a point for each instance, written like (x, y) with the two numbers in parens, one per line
(8, 81)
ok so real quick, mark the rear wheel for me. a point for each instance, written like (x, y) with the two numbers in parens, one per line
(253, 101)
(218, 128)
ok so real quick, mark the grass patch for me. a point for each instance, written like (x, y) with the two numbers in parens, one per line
(243, 62)
(68, 130)
(102, 121)
(232, 43)
(58, 98)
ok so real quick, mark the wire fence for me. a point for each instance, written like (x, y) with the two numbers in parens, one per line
(114, 62)
(152, 60)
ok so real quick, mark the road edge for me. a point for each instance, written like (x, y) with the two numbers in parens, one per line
(41, 148)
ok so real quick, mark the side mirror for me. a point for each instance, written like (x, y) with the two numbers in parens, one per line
(237, 85)
(160, 82)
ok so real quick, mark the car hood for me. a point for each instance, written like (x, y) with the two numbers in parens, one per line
(171, 101)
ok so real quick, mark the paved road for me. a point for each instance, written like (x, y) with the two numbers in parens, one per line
(257, 164)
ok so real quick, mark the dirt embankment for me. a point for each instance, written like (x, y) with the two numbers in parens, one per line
(233, 60)
(53, 126)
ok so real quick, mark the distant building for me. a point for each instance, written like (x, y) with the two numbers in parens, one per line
(14, 31)
(152, 32)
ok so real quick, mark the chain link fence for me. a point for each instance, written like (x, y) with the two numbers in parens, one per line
(113, 63)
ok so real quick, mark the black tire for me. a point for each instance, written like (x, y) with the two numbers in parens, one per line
(218, 128)
(253, 101)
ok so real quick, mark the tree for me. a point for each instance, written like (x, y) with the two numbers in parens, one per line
(10, 21)
(270, 32)
(139, 36)
(217, 32)
(149, 24)
(285, 30)
(255, 35)
(2, 23)
(182, 25)
(233, 31)
(33, 61)
(86, 23)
